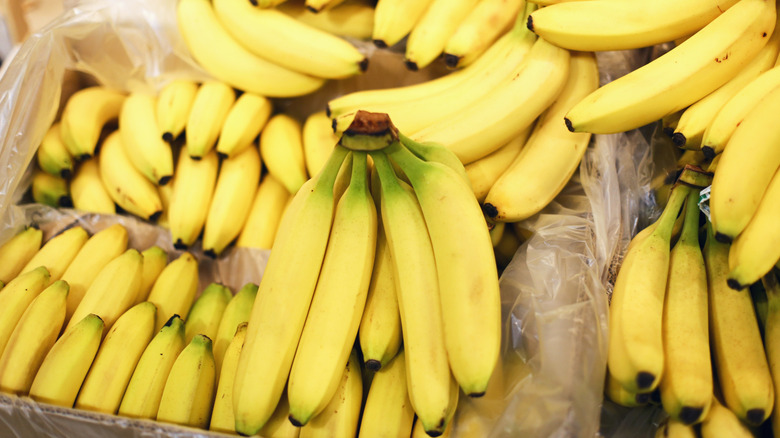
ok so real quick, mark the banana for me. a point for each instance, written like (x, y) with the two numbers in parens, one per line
(387, 411)
(222, 418)
(722, 423)
(744, 172)
(87, 191)
(380, 327)
(104, 246)
(636, 352)
(339, 299)
(506, 110)
(279, 426)
(236, 313)
(306, 49)
(175, 288)
(734, 111)
(232, 200)
(226, 59)
(430, 34)
(52, 154)
(487, 21)
(128, 187)
(755, 251)
(483, 173)
(738, 354)
(193, 190)
(165, 199)
(173, 107)
(771, 336)
(16, 296)
(465, 268)
(211, 106)
(692, 70)
(145, 387)
(550, 157)
(686, 384)
(155, 260)
(283, 299)
(243, 123)
(340, 417)
(615, 25)
(142, 138)
(84, 115)
(436, 152)
(422, 315)
(318, 6)
(17, 251)
(419, 432)
(65, 366)
(318, 141)
(265, 214)
(32, 337)
(281, 148)
(394, 19)
(116, 359)
(206, 312)
(188, 396)
(615, 392)
(50, 190)
(675, 429)
(506, 248)
(351, 19)
(58, 252)
(697, 117)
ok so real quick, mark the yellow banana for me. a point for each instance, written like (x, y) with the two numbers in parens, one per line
(222, 418)
(615, 392)
(430, 34)
(52, 154)
(387, 411)
(213, 101)
(193, 190)
(175, 288)
(352, 19)
(481, 27)
(16, 296)
(173, 107)
(771, 343)
(236, 313)
(87, 190)
(318, 141)
(206, 312)
(17, 251)
(281, 148)
(394, 19)
(722, 423)
(84, 115)
(430, 151)
(243, 123)
(57, 253)
(265, 214)
(279, 426)
(142, 138)
(155, 260)
(483, 173)
(50, 190)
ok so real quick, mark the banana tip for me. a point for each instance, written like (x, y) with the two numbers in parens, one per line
(755, 416)
(164, 180)
(167, 137)
(708, 151)
(154, 216)
(373, 365)
(327, 110)
(380, 43)
(313, 10)
(678, 138)
(645, 380)
(690, 415)
(433, 433)
(363, 65)
(642, 398)
(530, 23)
(569, 126)
(181, 246)
(475, 395)
(411, 65)
(295, 422)
(66, 173)
(490, 210)
(451, 60)
(65, 201)
(722, 238)
(210, 253)
(734, 284)
(84, 157)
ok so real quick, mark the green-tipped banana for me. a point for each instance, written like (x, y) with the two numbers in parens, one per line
(206, 312)
(50, 190)
(236, 313)
(53, 156)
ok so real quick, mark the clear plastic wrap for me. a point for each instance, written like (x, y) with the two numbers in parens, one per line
(554, 292)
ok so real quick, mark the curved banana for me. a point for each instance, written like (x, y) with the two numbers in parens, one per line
(465, 268)
(387, 411)
(339, 299)
(738, 352)
(17, 251)
(155, 260)
(50, 190)
(173, 107)
(16, 296)
(483, 173)
(481, 27)
(233, 194)
(84, 115)
(394, 19)
(128, 187)
(265, 214)
(97, 252)
(236, 313)
(283, 299)
(206, 312)
(57, 253)
(65, 366)
(142, 138)
(351, 19)
(722, 423)
(175, 289)
(772, 341)
(188, 396)
(193, 190)
(52, 155)
(422, 315)
(222, 418)
(281, 148)
(226, 59)
(32, 338)
(87, 190)
(243, 123)
(430, 34)
(211, 106)
(692, 70)
(550, 157)
(318, 141)
(144, 390)
(306, 49)
(744, 171)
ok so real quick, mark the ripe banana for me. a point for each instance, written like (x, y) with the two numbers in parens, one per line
(57, 253)
(213, 101)
(32, 337)
(318, 141)
(281, 148)
(142, 138)
(226, 59)
(483, 173)
(17, 251)
(487, 21)
(465, 267)
(52, 154)
(116, 359)
(222, 418)
(351, 19)
(739, 358)
(16, 296)
(113, 290)
(430, 34)
(722, 423)
(243, 123)
(87, 191)
(550, 157)
(65, 366)
(283, 299)
(144, 390)
(128, 187)
(50, 190)
(265, 214)
(615, 392)
(233, 194)
(206, 312)
(155, 260)
(173, 107)
(394, 19)
(339, 299)
(771, 336)
(422, 315)
(193, 191)
(175, 289)
(387, 411)
(236, 313)
(188, 396)
(692, 70)
(83, 117)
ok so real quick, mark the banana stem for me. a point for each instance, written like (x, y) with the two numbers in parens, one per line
(669, 215)
(690, 232)
(385, 170)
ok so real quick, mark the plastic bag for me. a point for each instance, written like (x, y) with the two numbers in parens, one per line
(554, 292)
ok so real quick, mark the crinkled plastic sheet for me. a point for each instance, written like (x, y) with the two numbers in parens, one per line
(554, 292)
